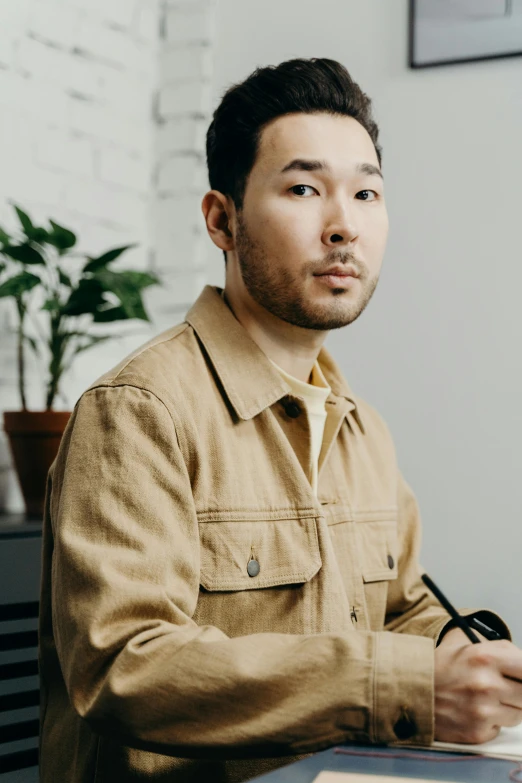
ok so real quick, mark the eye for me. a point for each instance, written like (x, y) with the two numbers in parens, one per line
(295, 187)
(366, 195)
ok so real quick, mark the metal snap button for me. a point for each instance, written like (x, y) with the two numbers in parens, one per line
(391, 561)
(253, 568)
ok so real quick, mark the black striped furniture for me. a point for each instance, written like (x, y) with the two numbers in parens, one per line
(19, 694)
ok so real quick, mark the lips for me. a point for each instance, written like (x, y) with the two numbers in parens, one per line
(338, 271)
(339, 279)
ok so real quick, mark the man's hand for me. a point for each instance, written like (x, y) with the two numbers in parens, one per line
(478, 688)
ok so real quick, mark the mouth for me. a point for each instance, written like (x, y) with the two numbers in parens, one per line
(339, 270)
(338, 276)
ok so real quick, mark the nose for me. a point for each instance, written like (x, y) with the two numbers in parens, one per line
(340, 228)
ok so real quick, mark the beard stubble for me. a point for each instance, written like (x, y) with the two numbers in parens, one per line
(283, 293)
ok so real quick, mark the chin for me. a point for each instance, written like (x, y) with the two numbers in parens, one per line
(333, 317)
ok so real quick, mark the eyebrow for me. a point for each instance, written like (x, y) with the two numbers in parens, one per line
(305, 164)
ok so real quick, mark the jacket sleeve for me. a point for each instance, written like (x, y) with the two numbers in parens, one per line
(411, 607)
(124, 588)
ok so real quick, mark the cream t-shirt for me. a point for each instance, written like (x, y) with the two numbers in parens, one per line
(314, 395)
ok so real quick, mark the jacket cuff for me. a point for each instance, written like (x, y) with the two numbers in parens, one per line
(403, 689)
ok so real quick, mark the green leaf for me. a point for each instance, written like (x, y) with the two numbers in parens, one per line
(2, 267)
(40, 235)
(24, 253)
(86, 298)
(26, 222)
(61, 237)
(91, 295)
(136, 280)
(32, 232)
(64, 279)
(111, 255)
(32, 342)
(19, 284)
(128, 282)
(127, 287)
(4, 237)
(52, 305)
(111, 314)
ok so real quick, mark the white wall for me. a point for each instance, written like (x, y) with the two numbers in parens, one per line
(103, 106)
(180, 178)
(77, 81)
(438, 351)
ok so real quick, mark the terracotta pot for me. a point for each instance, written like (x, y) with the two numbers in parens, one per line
(34, 437)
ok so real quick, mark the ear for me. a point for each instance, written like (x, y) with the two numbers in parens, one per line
(219, 213)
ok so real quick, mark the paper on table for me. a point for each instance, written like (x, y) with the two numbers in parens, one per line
(355, 777)
(508, 745)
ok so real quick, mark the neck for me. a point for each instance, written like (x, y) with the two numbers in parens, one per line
(292, 348)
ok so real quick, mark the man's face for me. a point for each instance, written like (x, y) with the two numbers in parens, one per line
(324, 213)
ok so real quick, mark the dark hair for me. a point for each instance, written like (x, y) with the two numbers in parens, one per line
(317, 85)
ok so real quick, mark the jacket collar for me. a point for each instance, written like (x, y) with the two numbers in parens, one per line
(249, 379)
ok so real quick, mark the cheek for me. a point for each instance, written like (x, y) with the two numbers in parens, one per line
(302, 222)
(282, 228)
(376, 233)
(264, 222)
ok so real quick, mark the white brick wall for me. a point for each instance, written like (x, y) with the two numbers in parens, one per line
(187, 31)
(105, 105)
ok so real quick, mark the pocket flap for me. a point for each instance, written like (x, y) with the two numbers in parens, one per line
(379, 547)
(287, 552)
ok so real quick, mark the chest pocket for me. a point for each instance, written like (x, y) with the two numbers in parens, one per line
(379, 551)
(240, 559)
(379, 548)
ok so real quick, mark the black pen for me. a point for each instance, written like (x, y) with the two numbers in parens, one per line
(455, 616)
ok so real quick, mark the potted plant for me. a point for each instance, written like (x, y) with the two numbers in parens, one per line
(56, 302)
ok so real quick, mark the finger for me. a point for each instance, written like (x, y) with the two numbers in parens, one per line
(511, 693)
(513, 679)
(509, 658)
(509, 716)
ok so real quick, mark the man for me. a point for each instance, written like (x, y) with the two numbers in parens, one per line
(230, 552)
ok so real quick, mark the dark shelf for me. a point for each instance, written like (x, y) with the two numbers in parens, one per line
(18, 526)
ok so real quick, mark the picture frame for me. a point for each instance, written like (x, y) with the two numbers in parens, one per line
(447, 32)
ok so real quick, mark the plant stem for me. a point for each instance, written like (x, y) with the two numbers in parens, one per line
(20, 352)
(51, 392)
(54, 364)
(55, 344)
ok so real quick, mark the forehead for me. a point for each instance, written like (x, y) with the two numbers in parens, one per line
(340, 140)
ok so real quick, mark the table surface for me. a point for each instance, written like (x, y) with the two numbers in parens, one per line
(454, 767)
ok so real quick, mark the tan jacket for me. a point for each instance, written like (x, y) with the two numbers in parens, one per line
(165, 656)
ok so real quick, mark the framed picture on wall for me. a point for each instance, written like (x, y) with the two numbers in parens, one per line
(443, 32)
